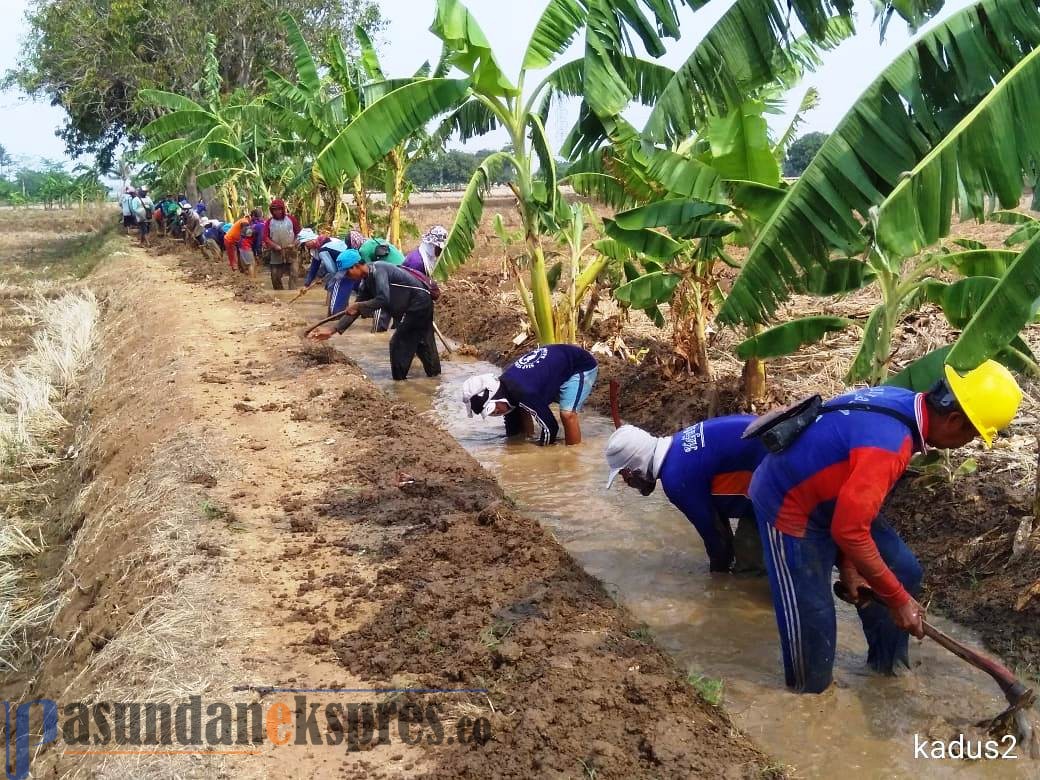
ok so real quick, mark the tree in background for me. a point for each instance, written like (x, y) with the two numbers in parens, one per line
(452, 169)
(92, 57)
(6, 161)
(801, 153)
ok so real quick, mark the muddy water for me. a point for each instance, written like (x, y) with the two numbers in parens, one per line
(652, 560)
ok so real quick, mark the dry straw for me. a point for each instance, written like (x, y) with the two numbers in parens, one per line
(31, 393)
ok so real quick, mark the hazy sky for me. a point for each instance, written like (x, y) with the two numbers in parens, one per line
(28, 128)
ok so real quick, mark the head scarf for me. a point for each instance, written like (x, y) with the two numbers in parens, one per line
(356, 239)
(633, 448)
(278, 203)
(305, 235)
(477, 392)
(436, 236)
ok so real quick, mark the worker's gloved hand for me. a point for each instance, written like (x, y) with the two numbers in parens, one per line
(909, 617)
(324, 333)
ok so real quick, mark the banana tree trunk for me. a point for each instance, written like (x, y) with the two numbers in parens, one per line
(754, 375)
(396, 195)
(540, 293)
(689, 328)
(361, 205)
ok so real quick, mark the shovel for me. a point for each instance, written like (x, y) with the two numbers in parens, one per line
(1019, 697)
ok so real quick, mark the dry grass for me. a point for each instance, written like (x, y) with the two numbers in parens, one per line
(31, 393)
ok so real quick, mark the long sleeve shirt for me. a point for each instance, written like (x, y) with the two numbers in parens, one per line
(835, 477)
(323, 263)
(534, 381)
(234, 236)
(391, 288)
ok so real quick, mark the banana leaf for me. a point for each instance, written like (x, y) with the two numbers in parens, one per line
(788, 338)
(558, 26)
(1001, 316)
(468, 49)
(385, 124)
(907, 113)
(838, 277)
(666, 213)
(980, 262)
(740, 146)
(647, 242)
(648, 290)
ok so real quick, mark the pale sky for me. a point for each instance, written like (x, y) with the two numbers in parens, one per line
(28, 128)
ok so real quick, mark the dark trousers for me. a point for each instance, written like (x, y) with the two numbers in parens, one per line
(800, 575)
(414, 336)
(281, 271)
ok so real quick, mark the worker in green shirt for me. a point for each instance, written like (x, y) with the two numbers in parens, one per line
(375, 250)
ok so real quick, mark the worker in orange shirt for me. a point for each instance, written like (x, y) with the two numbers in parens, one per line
(234, 236)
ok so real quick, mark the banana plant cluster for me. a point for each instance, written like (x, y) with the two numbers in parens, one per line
(945, 126)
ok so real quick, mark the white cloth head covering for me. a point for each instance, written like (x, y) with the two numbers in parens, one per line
(305, 235)
(476, 385)
(633, 448)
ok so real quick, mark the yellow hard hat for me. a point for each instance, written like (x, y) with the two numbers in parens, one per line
(988, 395)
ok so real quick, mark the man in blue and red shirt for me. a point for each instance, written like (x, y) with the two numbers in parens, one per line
(705, 471)
(558, 373)
(818, 505)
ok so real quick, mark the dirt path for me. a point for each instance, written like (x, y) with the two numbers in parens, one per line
(311, 534)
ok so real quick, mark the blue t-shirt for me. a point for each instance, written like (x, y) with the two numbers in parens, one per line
(533, 382)
(708, 470)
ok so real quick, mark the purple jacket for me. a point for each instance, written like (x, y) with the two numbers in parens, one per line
(414, 261)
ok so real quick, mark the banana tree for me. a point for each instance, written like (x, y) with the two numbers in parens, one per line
(937, 128)
(417, 146)
(227, 134)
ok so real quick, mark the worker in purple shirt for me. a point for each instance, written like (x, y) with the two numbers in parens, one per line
(424, 258)
(558, 373)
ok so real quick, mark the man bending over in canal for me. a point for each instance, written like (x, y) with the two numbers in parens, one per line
(559, 373)
(705, 471)
(408, 299)
(818, 502)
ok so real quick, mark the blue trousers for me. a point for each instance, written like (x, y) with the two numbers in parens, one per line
(800, 576)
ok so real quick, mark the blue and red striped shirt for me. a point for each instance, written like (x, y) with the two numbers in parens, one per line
(835, 477)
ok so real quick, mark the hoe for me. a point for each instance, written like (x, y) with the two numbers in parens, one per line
(1019, 697)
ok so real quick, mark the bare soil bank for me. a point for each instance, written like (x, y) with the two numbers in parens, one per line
(246, 511)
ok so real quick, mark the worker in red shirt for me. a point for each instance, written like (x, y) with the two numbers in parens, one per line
(235, 235)
(818, 504)
(705, 471)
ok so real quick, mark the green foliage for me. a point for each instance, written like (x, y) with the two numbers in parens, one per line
(908, 113)
(789, 337)
(801, 153)
(93, 58)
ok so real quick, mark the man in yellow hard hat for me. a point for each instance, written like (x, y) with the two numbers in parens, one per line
(818, 496)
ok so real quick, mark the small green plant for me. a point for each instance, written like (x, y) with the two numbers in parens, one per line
(212, 511)
(937, 468)
(642, 634)
(493, 635)
(590, 770)
(710, 689)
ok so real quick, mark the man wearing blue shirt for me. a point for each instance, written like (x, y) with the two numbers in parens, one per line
(705, 471)
(558, 373)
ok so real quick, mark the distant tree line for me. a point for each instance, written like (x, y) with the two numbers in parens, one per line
(453, 169)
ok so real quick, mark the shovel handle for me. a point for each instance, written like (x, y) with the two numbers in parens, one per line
(1013, 689)
(615, 403)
